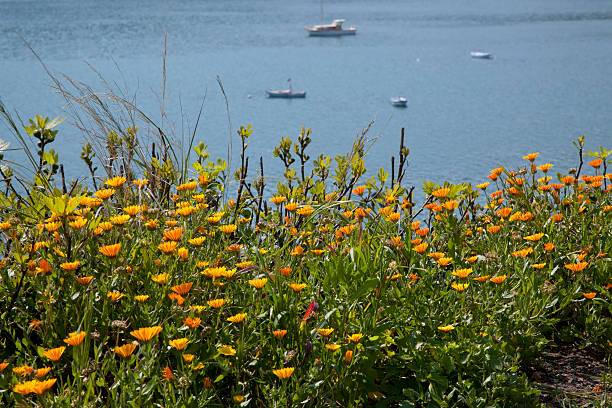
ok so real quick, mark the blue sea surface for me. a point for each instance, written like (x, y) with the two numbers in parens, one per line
(550, 79)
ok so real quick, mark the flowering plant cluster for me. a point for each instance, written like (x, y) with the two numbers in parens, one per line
(343, 295)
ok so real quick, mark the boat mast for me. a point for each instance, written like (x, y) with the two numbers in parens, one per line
(321, 15)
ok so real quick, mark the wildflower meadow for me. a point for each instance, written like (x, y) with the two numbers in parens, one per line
(165, 279)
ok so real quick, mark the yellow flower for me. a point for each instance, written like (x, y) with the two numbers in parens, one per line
(79, 222)
(355, 337)
(459, 287)
(538, 266)
(114, 296)
(197, 241)
(160, 278)
(146, 333)
(237, 318)
(54, 354)
(140, 182)
(103, 194)
(534, 237)
(115, 181)
(325, 332)
(179, 344)
(296, 286)
(238, 398)
(291, 207)
(446, 328)
(258, 283)
(227, 350)
(110, 250)
(126, 350)
(305, 210)
(75, 339)
(141, 298)
(332, 347)
(216, 303)
(444, 261)
(462, 273)
(531, 157)
(227, 229)
(41, 372)
(120, 219)
(284, 373)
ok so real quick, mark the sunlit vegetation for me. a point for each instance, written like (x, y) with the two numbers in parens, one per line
(170, 286)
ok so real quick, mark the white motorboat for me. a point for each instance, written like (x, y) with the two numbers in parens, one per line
(481, 55)
(330, 30)
(284, 93)
(399, 101)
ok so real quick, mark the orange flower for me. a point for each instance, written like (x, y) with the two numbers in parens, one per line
(192, 322)
(284, 373)
(285, 271)
(348, 356)
(75, 339)
(173, 234)
(482, 278)
(531, 157)
(523, 252)
(576, 267)
(183, 288)
(70, 266)
(168, 246)
(444, 261)
(589, 295)
(297, 251)
(279, 334)
(54, 354)
(420, 248)
(596, 163)
(493, 229)
(278, 199)
(498, 279)
(126, 350)
(41, 372)
(167, 374)
(84, 280)
(483, 186)
(146, 333)
(110, 250)
(120, 219)
(34, 386)
(359, 190)
(296, 286)
(141, 298)
(442, 192)
(422, 232)
(549, 246)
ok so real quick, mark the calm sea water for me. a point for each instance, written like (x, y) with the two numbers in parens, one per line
(549, 82)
